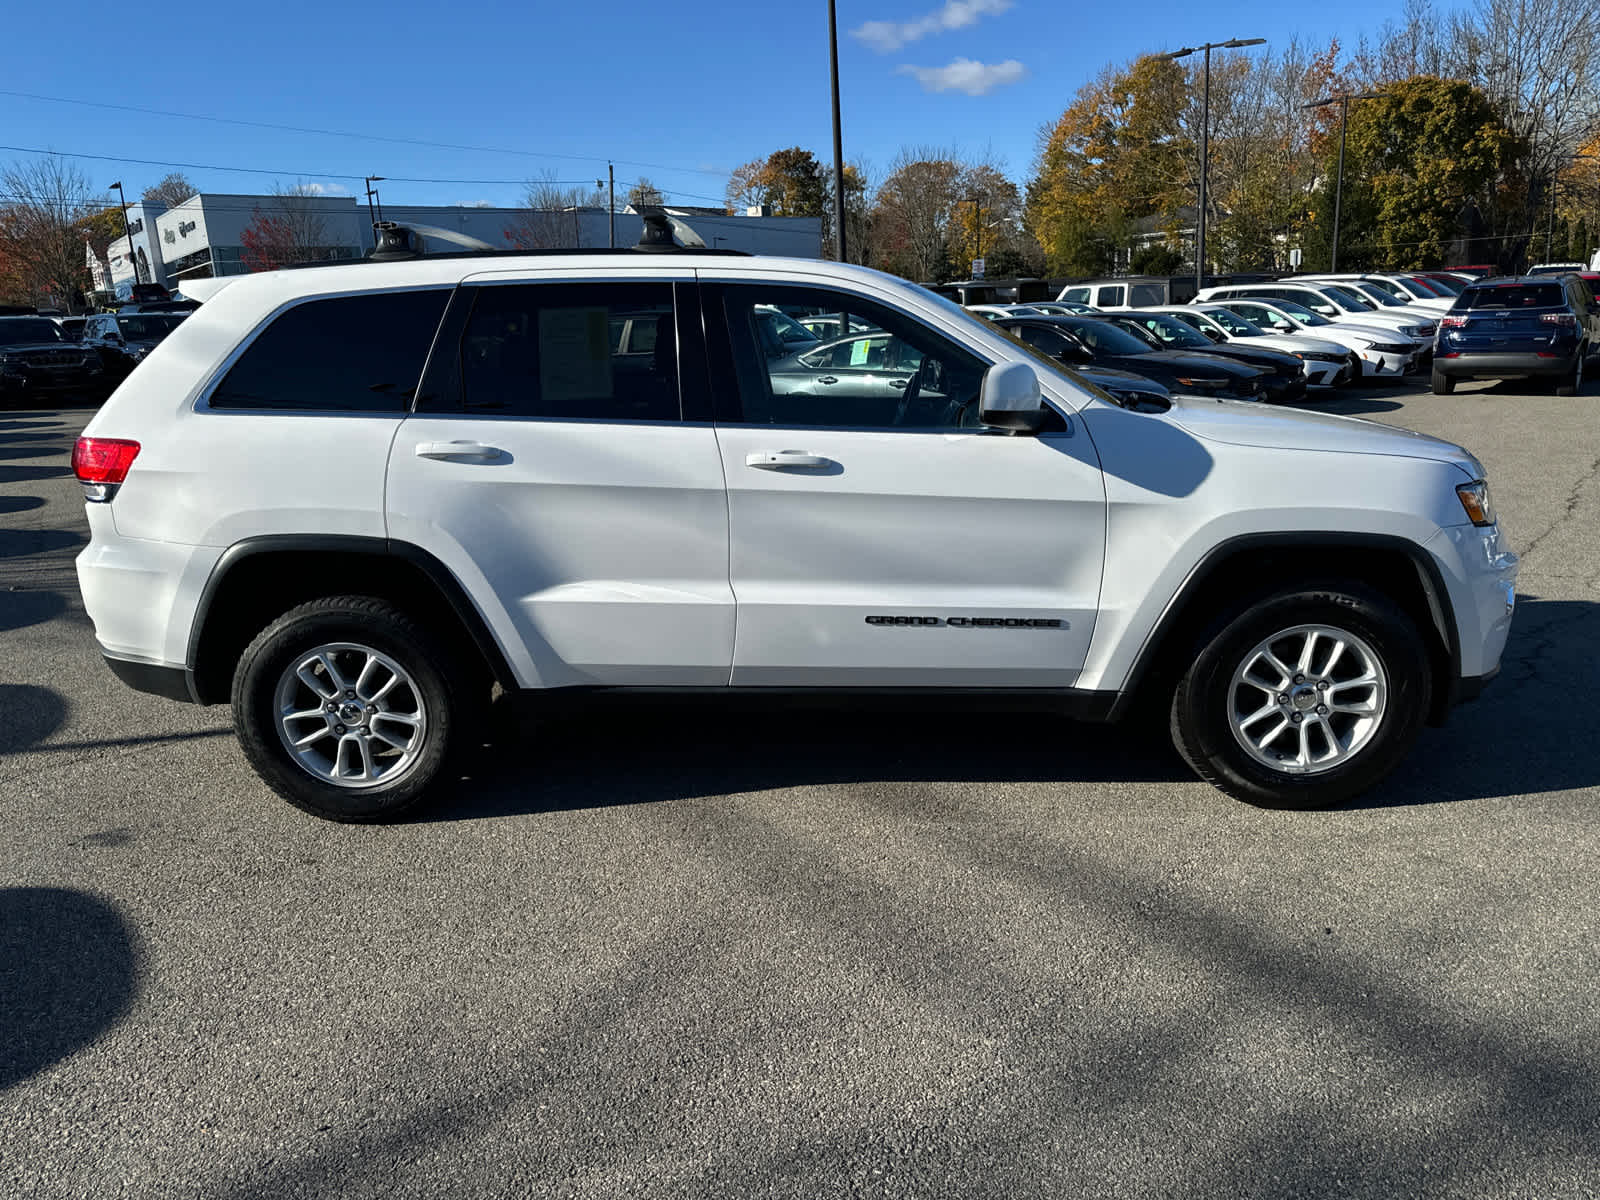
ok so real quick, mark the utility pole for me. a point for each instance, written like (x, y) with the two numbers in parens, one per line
(977, 223)
(1205, 149)
(838, 139)
(374, 215)
(1343, 101)
(611, 207)
(133, 259)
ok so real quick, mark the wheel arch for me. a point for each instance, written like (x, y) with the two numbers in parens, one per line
(258, 578)
(1211, 593)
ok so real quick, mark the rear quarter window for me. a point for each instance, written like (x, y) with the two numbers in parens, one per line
(1528, 295)
(1146, 295)
(357, 354)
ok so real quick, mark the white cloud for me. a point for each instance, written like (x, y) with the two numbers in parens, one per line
(324, 189)
(965, 75)
(888, 36)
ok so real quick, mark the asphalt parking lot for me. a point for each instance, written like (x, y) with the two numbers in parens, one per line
(696, 953)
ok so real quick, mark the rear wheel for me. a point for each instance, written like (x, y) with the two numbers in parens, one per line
(348, 709)
(1443, 385)
(1304, 700)
(1573, 383)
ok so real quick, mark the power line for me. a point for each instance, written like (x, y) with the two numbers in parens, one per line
(155, 162)
(370, 137)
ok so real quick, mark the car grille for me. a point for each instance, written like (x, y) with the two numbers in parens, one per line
(52, 358)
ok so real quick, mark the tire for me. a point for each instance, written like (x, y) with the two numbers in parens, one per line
(1213, 700)
(1573, 383)
(402, 703)
(1443, 385)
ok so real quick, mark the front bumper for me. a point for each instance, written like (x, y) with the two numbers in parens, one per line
(1480, 574)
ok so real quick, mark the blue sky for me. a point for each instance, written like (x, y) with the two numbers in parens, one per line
(681, 94)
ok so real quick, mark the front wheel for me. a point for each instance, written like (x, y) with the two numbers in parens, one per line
(1304, 700)
(1443, 385)
(347, 708)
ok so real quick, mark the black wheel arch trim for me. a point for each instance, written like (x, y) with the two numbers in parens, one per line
(450, 588)
(1440, 610)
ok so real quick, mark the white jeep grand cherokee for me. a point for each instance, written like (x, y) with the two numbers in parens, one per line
(350, 499)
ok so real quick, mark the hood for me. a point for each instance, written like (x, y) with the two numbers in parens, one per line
(1245, 424)
(1183, 360)
(34, 348)
(1293, 343)
(1373, 333)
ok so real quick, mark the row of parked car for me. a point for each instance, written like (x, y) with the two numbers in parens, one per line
(1245, 339)
(43, 357)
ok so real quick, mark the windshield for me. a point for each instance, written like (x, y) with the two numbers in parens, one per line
(1168, 331)
(1514, 295)
(147, 328)
(1233, 323)
(19, 331)
(1346, 299)
(1105, 338)
(1040, 357)
(1301, 313)
(1378, 296)
(1447, 287)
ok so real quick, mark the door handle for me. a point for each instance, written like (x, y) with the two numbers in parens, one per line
(899, 383)
(458, 450)
(828, 379)
(776, 460)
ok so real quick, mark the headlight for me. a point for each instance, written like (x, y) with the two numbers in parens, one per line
(1197, 381)
(1390, 348)
(1474, 498)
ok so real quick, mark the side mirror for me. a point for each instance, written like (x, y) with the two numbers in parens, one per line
(1009, 398)
(1214, 335)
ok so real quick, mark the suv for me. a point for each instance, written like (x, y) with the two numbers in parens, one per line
(352, 498)
(1534, 326)
(36, 357)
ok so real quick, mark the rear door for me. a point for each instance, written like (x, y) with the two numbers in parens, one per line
(878, 541)
(570, 479)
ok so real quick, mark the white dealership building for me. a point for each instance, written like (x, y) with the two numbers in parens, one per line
(204, 236)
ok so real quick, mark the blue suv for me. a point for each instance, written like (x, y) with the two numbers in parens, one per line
(1525, 327)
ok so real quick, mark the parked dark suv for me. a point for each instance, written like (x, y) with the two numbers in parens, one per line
(1525, 327)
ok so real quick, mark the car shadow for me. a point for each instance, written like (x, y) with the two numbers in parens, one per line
(18, 543)
(69, 967)
(30, 714)
(613, 749)
(19, 609)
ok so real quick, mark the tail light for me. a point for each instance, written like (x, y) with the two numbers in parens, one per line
(1452, 322)
(101, 464)
(1563, 319)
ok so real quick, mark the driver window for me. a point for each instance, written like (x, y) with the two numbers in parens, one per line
(889, 372)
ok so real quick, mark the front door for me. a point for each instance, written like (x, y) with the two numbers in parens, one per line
(562, 464)
(880, 537)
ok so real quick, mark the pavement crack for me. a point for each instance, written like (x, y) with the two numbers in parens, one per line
(1568, 512)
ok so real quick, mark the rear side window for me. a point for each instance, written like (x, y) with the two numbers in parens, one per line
(1075, 295)
(1146, 295)
(590, 351)
(1109, 296)
(356, 354)
(1521, 295)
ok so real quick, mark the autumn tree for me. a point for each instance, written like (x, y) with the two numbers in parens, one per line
(644, 194)
(857, 215)
(1416, 154)
(170, 192)
(289, 229)
(549, 219)
(912, 214)
(42, 230)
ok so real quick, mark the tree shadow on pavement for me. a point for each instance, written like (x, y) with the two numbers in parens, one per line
(68, 967)
(28, 715)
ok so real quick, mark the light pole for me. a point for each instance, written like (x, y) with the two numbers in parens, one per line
(1343, 101)
(1205, 122)
(610, 182)
(977, 224)
(133, 259)
(373, 216)
(838, 139)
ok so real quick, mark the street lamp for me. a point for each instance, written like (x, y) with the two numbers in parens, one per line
(375, 217)
(133, 258)
(977, 224)
(1205, 121)
(1343, 101)
(838, 140)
